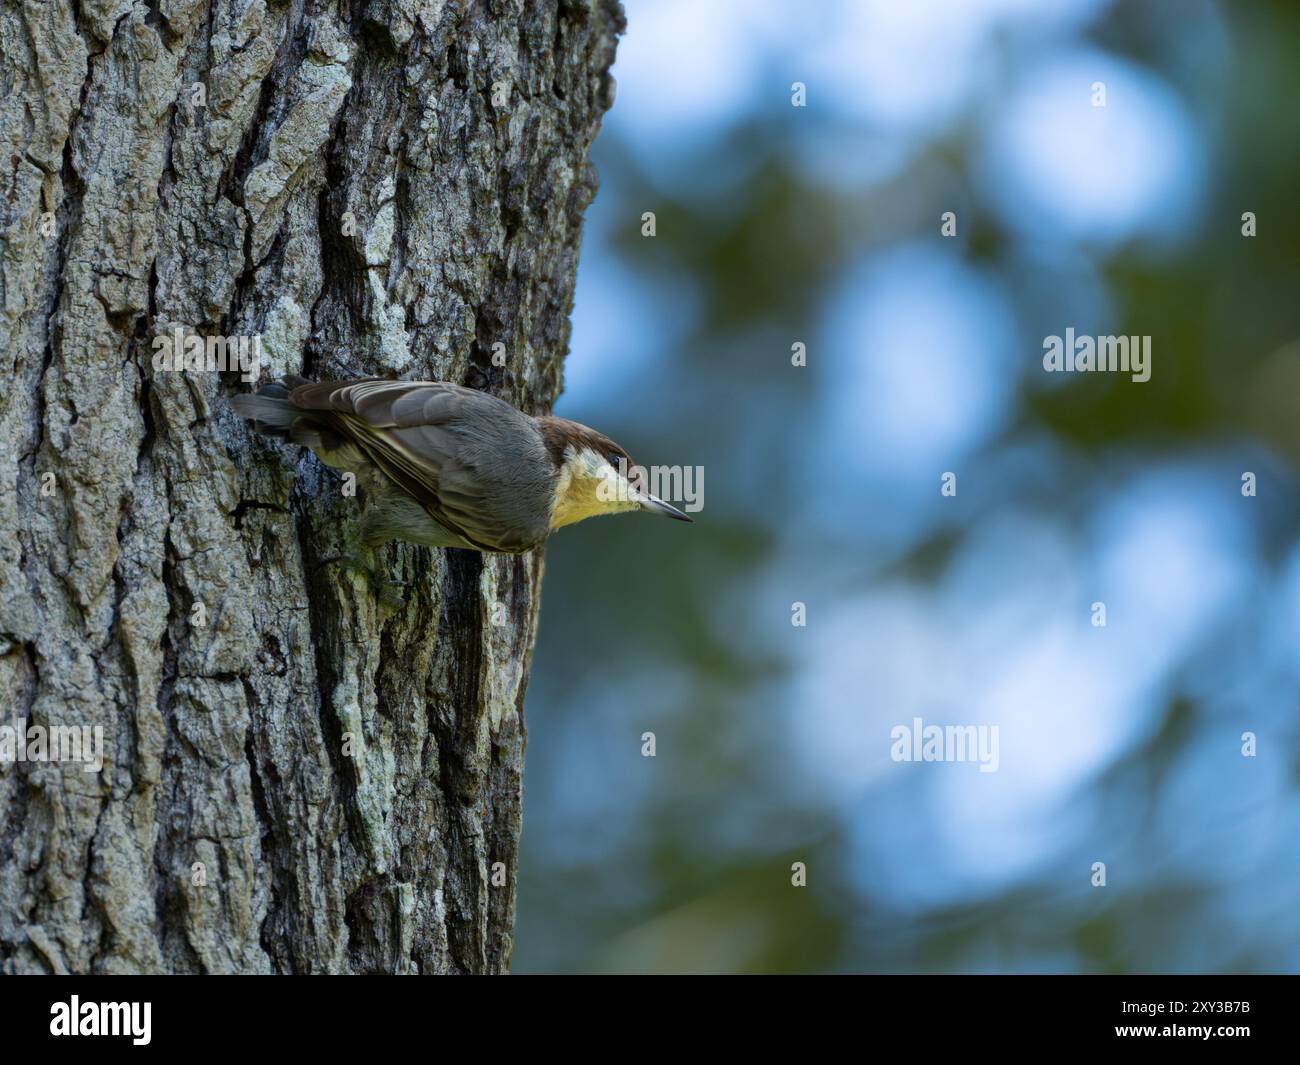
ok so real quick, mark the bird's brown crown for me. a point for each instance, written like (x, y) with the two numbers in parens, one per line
(560, 434)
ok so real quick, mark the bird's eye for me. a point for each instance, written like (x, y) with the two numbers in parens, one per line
(614, 460)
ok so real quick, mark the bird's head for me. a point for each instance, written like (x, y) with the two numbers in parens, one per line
(595, 476)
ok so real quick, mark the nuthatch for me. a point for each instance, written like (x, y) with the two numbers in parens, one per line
(447, 466)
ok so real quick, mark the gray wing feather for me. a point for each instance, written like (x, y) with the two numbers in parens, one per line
(477, 465)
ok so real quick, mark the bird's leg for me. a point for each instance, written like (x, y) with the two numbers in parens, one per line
(361, 559)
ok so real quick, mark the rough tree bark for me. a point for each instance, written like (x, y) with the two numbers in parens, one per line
(387, 188)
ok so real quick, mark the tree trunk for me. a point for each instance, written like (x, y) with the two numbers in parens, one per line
(298, 776)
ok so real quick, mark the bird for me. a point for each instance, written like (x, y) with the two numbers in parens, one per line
(448, 466)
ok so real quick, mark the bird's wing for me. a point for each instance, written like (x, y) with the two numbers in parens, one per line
(475, 463)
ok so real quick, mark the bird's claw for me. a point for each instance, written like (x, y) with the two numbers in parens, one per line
(364, 565)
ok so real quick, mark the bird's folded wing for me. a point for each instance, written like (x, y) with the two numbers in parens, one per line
(415, 432)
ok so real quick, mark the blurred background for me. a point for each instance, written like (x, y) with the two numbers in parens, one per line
(821, 225)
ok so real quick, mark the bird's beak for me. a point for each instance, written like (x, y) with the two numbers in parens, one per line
(657, 506)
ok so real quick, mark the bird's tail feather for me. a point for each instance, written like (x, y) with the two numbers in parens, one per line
(269, 409)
